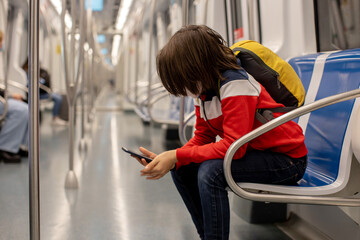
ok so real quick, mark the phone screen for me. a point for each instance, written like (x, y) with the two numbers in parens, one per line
(139, 155)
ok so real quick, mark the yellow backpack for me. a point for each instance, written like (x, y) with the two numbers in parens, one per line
(275, 74)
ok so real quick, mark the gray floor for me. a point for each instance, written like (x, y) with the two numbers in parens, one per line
(113, 201)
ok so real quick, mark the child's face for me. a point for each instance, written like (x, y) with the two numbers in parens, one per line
(190, 94)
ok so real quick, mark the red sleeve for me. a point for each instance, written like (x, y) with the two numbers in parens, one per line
(238, 118)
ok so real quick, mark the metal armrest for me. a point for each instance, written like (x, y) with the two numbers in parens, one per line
(182, 128)
(25, 89)
(287, 198)
(47, 90)
(155, 99)
(16, 85)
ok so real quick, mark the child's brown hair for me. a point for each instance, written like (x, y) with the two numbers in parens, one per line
(194, 60)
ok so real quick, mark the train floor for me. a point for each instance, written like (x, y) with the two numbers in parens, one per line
(113, 201)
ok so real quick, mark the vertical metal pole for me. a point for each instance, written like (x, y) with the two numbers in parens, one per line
(71, 180)
(185, 8)
(71, 137)
(185, 20)
(91, 85)
(34, 120)
(82, 143)
(151, 29)
(137, 49)
(82, 99)
(83, 32)
(72, 41)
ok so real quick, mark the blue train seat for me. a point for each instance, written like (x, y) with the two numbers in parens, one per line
(328, 131)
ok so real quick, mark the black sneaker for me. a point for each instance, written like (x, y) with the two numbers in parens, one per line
(23, 152)
(9, 157)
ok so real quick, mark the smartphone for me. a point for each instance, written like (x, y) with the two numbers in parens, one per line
(139, 155)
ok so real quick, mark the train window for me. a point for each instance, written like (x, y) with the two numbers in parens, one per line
(237, 22)
(338, 24)
(244, 22)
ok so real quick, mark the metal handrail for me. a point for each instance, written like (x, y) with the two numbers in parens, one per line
(155, 99)
(43, 12)
(34, 179)
(287, 198)
(138, 30)
(26, 90)
(18, 85)
(72, 78)
(145, 100)
(154, 87)
(182, 128)
(151, 30)
(185, 22)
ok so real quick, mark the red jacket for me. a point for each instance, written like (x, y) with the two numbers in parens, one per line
(234, 117)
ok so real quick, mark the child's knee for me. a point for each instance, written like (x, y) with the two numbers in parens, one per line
(211, 173)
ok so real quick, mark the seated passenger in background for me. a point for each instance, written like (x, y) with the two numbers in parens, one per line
(56, 98)
(14, 131)
(196, 62)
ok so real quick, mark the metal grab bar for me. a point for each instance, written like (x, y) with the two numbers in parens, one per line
(156, 99)
(151, 30)
(25, 89)
(34, 179)
(72, 78)
(155, 89)
(182, 128)
(144, 101)
(17, 85)
(287, 198)
(185, 22)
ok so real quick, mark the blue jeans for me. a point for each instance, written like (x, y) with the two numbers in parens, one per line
(57, 99)
(203, 186)
(14, 133)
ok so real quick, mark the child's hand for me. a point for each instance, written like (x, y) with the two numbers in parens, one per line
(17, 96)
(161, 165)
(146, 153)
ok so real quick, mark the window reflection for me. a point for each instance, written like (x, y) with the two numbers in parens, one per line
(338, 24)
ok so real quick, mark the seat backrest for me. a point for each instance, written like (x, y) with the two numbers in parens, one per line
(304, 67)
(326, 128)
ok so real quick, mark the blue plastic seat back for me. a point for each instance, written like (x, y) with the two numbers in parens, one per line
(304, 67)
(327, 126)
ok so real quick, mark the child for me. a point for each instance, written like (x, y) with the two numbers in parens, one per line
(196, 62)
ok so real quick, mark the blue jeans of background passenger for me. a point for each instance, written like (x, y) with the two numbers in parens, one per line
(57, 99)
(203, 186)
(14, 132)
